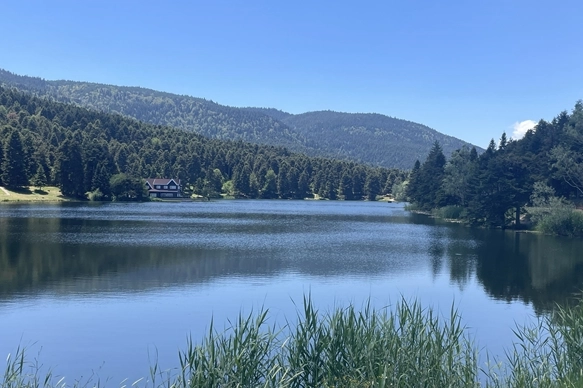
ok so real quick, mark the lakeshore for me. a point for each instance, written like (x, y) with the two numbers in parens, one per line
(32, 194)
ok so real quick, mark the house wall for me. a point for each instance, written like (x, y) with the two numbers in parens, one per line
(173, 190)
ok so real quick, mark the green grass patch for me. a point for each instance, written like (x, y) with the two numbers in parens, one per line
(32, 194)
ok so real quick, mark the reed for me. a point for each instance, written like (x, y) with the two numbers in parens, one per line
(404, 346)
(546, 354)
(407, 347)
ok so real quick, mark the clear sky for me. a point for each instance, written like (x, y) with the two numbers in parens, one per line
(468, 68)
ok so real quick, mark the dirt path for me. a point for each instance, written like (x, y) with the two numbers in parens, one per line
(4, 190)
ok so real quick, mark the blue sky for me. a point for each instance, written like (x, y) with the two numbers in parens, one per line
(471, 69)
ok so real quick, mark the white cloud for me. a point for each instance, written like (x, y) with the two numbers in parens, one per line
(520, 128)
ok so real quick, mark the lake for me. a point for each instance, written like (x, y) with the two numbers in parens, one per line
(107, 289)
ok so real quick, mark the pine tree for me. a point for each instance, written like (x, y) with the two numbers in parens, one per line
(345, 188)
(269, 189)
(372, 187)
(412, 191)
(501, 183)
(253, 186)
(428, 192)
(358, 181)
(458, 171)
(503, 141)
(13, 163)
(101, 179)
(282, 181)
(303, 185)
(70, 174)
(40, 178)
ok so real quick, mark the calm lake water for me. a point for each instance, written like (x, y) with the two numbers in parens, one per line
(109, 288)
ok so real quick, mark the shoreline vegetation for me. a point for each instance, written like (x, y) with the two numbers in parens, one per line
(566, 221)
(532, 183)
(53, 194)
(404, 346)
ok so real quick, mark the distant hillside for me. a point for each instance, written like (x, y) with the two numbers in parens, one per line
(386, 141)
(271, 112)
(104, 156)
(193, 114)
(368, 138)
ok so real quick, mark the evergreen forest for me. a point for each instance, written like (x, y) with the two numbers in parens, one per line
(534, 181)
(103, 156)
(372, 139)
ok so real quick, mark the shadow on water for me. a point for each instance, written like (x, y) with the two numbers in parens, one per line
(512, 266)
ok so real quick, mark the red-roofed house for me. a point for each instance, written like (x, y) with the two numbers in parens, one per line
(163, 188)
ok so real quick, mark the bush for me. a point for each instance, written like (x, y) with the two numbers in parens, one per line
(562, 223)
(96, 195)
(553, 215)
(399, 191)
(412, 207)
(451, 212)
(127, 188)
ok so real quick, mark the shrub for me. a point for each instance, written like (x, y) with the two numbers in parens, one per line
(449, 212)
(554, 215)
(562, 223)
(412, 207)
(96, 195)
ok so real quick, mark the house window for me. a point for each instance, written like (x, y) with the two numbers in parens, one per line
(157, 186)
(165, 187)
(172, 187)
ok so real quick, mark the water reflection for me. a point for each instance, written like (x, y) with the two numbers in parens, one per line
(528, 267)
(80, 249)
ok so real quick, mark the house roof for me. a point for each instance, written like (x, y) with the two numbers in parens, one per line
(162, 181)
(163, 191)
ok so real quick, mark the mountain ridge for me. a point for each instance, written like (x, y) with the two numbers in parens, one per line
(369, 138)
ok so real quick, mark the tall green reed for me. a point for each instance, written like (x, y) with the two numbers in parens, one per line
(548, 353)
(407, 347)
(402, 346)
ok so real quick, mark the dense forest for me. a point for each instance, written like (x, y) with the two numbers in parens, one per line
(106, 156)
(351, 135)
(537, 179)
(365, 138)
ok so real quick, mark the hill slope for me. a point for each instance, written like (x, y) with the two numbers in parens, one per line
(87, 153)
(368, 138)
(386, 141)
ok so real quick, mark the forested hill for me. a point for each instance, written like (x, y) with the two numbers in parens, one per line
(355, 134)
(368, 138)
(83, 151)
(198, 115)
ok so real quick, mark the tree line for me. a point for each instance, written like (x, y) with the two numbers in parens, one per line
(533, 177)
(372, 139)
(106, 156)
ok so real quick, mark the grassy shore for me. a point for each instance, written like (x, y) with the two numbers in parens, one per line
(32, 194)
(407, 346)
